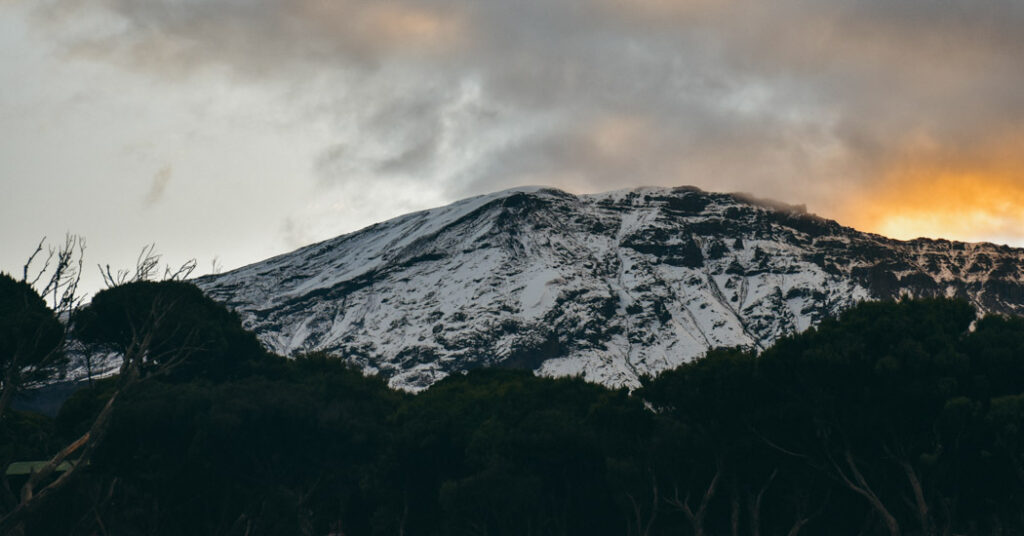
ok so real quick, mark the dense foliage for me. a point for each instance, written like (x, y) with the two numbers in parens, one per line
(30, 338)
(896, 418)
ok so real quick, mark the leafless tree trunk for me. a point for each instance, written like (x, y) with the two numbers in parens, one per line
(849, 473)
(802, 517)
(405, 512)
(696, 518)
(923, 512)
(643, 527)
(754, 504)
(798, 525)
(919, 503)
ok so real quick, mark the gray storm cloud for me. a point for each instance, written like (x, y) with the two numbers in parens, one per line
(807, 101)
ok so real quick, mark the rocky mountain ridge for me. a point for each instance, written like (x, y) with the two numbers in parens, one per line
(609, 286)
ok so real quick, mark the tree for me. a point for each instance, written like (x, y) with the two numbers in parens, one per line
(158, 328)
(32, 334)
(33, 493)
(864, 396)
(713, 402)
(30, 338)
(170, 326)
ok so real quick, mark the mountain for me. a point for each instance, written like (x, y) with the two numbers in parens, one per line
(609, 286)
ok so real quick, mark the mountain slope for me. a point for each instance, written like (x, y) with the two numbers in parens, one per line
(610, 286)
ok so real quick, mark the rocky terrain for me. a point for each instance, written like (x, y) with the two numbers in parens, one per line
(609, 286)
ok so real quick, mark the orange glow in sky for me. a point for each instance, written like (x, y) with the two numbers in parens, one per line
(971, 191)
(942, 205)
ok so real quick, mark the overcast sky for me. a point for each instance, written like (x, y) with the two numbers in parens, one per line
(239, 129)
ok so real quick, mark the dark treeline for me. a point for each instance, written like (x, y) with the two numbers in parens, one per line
(896, 418)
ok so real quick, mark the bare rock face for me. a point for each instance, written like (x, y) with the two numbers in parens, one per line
(609, 286)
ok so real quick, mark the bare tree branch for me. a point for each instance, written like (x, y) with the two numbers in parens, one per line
(697, 518)
(182, 273)
(146, 266)
(28, 264)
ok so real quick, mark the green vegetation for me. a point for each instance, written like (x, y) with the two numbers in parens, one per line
(896, 418)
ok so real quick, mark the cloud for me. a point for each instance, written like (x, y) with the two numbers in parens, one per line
(853, 108)
(255, 38)
(158, 186)
(928, 188)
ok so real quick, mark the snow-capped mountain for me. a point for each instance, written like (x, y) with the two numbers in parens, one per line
(608, 286)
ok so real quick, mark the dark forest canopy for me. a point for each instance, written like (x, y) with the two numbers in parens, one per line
(896, 418)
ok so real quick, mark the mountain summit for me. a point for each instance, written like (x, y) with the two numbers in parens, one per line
(609, 286)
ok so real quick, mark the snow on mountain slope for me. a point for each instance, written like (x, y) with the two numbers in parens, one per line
(608, 286)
